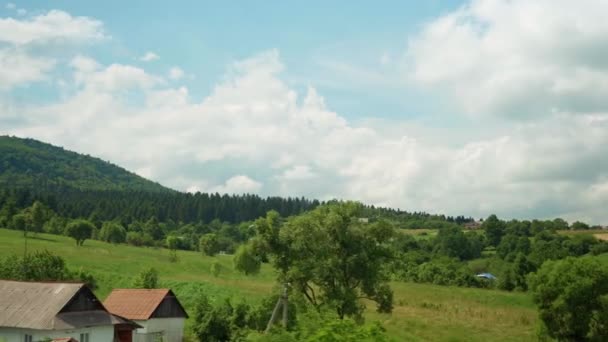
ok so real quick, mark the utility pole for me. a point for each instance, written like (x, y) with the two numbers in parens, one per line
(281, 302)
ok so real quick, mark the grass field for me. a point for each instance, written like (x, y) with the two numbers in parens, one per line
(422, 312)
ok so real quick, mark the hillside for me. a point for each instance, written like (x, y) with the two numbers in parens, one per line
(28, 163)
(422, 312)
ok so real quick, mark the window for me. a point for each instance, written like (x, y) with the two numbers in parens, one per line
(27, 338)
(84, 337)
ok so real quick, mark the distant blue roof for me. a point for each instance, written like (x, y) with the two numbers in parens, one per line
(486, 276)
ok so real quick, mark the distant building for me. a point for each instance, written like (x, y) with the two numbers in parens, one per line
(63, 312)
(363, 220)
(473, 225)
(158, 312)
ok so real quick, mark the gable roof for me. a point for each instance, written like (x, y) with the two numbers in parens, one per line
(37, 305)
(33, 305)
(138, 304)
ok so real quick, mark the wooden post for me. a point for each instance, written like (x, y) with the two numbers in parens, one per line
(285, 306)
(275, 314)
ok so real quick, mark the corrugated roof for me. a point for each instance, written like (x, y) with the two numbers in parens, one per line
(64, 339)
(137, 304)
(33, 305)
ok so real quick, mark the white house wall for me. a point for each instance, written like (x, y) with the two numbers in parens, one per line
(172, 329)
(96, 334)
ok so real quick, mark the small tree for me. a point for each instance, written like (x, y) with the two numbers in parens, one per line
(38, 217)
(572, 298)
(216, 268)
(147, 279)
(80, 230)
(20, 223)
(113, 232)
(172, 243)
(246, 261)
(209, 244)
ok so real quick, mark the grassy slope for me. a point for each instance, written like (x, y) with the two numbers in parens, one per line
(422, 312)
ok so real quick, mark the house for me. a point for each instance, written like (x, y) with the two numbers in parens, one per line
(158, 312)
(36, 311)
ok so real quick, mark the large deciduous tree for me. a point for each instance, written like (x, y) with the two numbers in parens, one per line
(572, 298)
(331, 257)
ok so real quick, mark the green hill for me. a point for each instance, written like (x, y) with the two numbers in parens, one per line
(28, 163)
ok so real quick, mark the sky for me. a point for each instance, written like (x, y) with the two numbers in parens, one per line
(454, 107)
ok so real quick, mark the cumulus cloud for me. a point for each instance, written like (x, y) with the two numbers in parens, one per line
(237, 185)
(517, 58)
(52, 26)
(253, 123)
(255, 133)
(18, 67)
(176, 73)
(149, 56)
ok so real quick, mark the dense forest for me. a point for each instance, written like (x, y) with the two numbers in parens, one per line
(28, 163)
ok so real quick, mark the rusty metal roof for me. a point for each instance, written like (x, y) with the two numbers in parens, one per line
(137, 304)
(33, 305)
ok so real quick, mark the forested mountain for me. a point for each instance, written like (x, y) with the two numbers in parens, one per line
(28, 163)
(73, 186)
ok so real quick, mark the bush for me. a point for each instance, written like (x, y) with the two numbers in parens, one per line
(113, 232)
(147, 279)
(216, 268)
(139, 239)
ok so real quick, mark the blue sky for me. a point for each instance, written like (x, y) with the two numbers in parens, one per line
(202, 37)
(458, 107)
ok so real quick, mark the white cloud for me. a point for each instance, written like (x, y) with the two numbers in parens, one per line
(298, 172)
(17, 67)
(21, 11)
(517, 58)
(115, 77)
(149, 56)
(52, 26)
(253, 123)
(255, 133)
(176, 73)
(11, 5)
(237, 185)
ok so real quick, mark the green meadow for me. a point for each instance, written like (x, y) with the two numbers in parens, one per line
(422, 312)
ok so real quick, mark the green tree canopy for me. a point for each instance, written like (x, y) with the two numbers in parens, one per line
(494, 229)
(209, 244)
(331, 258)
(113, 232)
(572, 298)
(246, 260)
(80, 230)
(147, 279)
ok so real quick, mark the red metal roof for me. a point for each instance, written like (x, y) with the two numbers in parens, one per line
(137, 304)
(64, 339)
